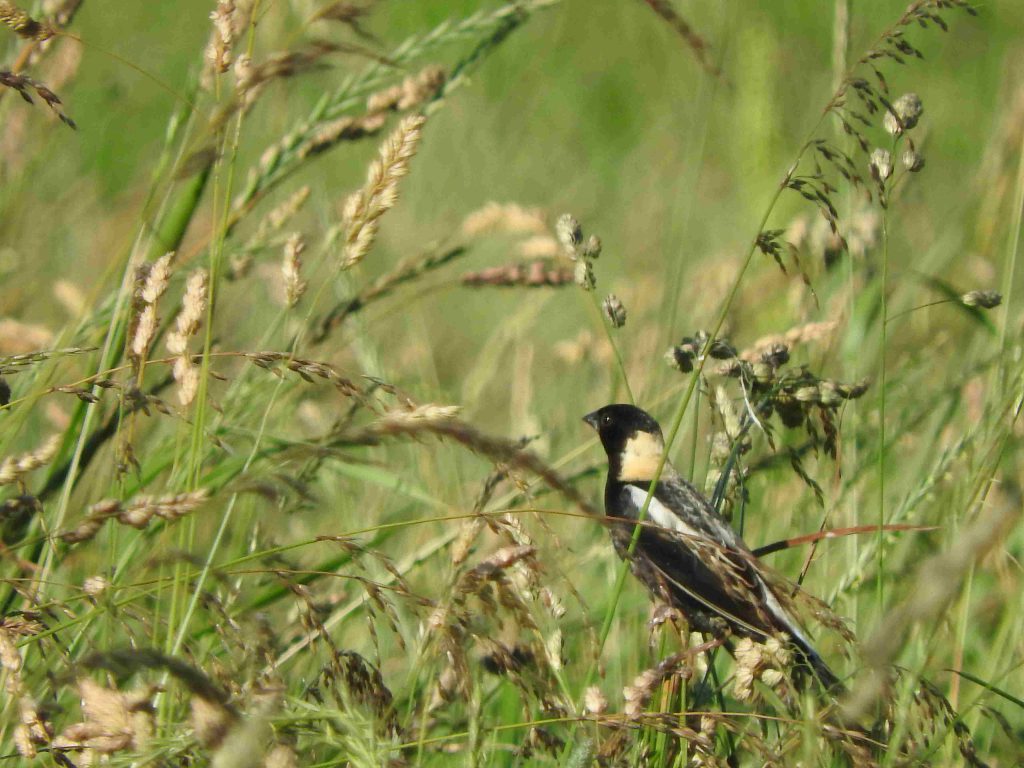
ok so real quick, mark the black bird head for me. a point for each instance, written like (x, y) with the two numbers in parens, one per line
(631, 438)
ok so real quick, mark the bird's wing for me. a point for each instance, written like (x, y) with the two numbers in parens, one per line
(700, 554)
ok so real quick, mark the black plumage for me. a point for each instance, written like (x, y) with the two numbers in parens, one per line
(686, 553)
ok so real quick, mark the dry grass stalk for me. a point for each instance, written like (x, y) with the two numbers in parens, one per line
(532, 274)
(412, 92)
(14, 468)
(307, 369)
(422, 414)
(364, 208)
(697, 44)
(505, 451)
(405, 271)
(252, 78)
(137, 513)
(187, 325)
(291, 269)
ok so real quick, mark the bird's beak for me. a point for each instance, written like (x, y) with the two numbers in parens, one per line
(591, 419)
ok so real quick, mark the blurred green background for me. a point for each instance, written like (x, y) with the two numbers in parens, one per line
(601, 110)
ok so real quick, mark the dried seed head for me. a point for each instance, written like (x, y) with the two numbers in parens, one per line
(569, 234)
(776, 355)
(145, 329)
(592, 247)
(912, 160)
(807, 394)
(10, 658)
(94, 586)
(291, 269)
(423, 414)
(157, 278)
(594, 701)
(13, 468)
(23, 24)
(680, 358)
(187, 376)
(112, 721)
(210, 721)
(614, 310)
(192, 307)
(585, 277)
(410, 93)
(881, 165)
(379, 195)
(983, 299)
(906, 111)
(219, 50)
(281, 756)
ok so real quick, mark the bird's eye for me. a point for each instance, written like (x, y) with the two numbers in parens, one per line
(606, 420)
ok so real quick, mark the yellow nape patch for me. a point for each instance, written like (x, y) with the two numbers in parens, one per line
(640, 457)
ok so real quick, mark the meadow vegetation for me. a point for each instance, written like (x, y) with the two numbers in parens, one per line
(303, 302)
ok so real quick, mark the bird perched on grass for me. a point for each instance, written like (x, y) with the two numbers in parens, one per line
(686, 554)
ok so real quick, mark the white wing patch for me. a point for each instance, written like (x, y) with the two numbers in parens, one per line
(658, 513)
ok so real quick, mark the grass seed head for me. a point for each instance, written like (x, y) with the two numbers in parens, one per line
(614, 310)
(903, 116)
(881, 165)
(291, 269)
(218, 52)
(364, 208)
(22, 23)
(983, 299)
(14, 468)
(569, 234)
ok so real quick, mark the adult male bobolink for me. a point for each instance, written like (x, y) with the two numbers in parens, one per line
(686, 554)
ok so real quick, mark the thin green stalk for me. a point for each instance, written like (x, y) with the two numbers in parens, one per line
(883, 332)
(606, 327)
(1010, 269)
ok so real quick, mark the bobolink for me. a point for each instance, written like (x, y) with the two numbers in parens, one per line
(686, 554)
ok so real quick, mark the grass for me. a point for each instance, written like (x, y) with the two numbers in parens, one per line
(319, 494)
